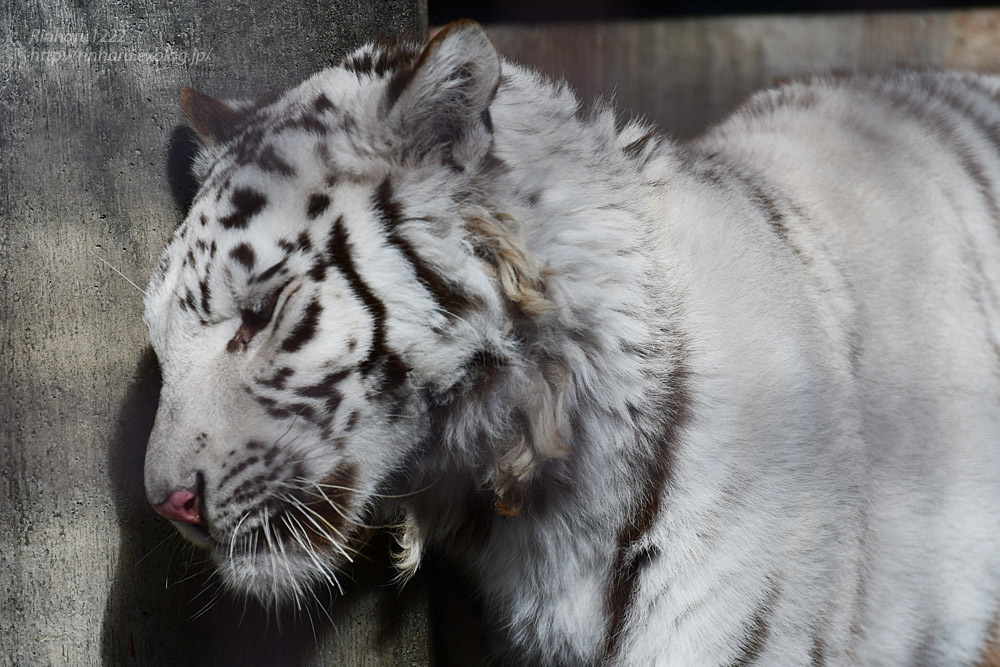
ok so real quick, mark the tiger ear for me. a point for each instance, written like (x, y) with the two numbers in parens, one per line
(441, 105)
(214, 121)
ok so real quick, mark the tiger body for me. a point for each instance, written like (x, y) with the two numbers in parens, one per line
(725, 403)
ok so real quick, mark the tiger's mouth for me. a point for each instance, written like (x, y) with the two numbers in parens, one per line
(195, 534)
(280, 564)
(275, 539)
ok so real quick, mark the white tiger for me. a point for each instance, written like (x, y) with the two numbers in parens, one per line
(726, 403)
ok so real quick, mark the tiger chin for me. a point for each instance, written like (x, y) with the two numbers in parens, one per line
(728, 402)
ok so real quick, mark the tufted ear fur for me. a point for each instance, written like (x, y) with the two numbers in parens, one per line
(441, 105)
(215, 121)
(540, 423)
(520, 275)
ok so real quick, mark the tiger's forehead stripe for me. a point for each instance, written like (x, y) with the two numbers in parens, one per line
(451, 300)
(206, 292)
(305, 329)
(339, 254)
(271, 162)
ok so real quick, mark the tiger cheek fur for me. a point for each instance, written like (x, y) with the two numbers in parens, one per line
(683, 405)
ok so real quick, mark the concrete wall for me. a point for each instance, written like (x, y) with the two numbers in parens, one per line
(91, 164)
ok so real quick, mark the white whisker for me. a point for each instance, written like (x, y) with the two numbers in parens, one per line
(291, 578)
(236, 530)
(173, 535)
(111, 266)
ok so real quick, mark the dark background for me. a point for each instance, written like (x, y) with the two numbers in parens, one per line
(532, 11)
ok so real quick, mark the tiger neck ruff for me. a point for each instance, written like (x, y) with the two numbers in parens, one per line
(725, 403)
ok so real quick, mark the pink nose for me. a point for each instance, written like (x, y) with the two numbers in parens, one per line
(181, 506)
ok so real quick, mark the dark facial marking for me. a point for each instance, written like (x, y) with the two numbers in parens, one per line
(352, 421)
(324, 387)
(247, 203)
(318, 270)
(305, 329)
(397, 84)
(247, 491)
(339, 251)
(245, 255)
(189, 299)
(305, 411)
(206, 295)
(449, 299)
(359, 64)
(237, 469)
(384, 202)
(279, 379)
(306, 122)
(269, 160)
(274, 269)
(323, 103)
(317, 204)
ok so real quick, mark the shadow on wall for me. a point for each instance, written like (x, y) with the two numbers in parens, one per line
(161, 582)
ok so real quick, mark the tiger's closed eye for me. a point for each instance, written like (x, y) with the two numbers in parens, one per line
(254, 319)
(258, 316)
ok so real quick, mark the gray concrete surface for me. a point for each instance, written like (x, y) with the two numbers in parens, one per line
(88, 138)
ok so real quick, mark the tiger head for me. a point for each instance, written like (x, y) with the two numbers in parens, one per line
(349, 276)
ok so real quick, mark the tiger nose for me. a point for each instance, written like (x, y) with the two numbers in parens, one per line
(181, 506)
